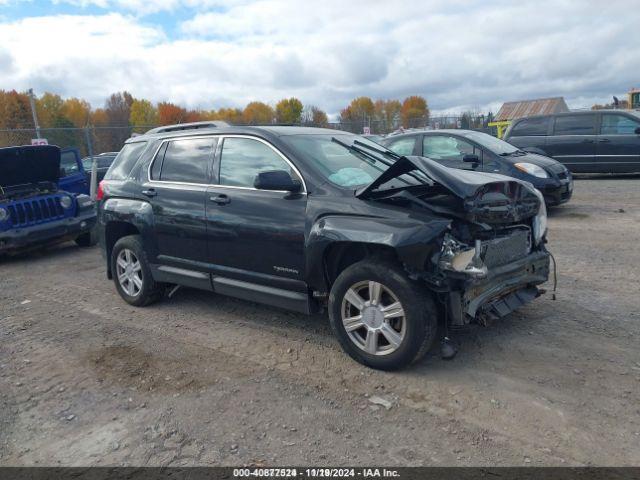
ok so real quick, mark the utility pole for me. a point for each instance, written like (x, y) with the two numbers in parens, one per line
(32, 101)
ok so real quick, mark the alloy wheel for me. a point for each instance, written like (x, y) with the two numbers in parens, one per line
(129, 272)
(373, 318)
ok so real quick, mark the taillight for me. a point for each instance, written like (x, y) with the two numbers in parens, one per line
(100, 192)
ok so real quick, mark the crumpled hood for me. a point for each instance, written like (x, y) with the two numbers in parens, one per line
(29, 164)
(487, 197)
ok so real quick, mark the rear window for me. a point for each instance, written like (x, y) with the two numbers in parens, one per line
(185, 160)
(126, 159)
(531, 127)
(575, 125)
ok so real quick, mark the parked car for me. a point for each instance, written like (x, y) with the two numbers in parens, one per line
(593, 141)
(104, 162)
(374, 138)
(310, 219)
(34, 210)
(72, 177)
(477, 151)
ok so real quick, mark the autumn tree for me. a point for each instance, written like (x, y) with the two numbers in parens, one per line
(387, 114)
(414, 112)
(76, 111)
(358, 114)
(289, 110)
(170, 113)
(312, 115)
(48, 108)
(257, 113)
(15, 111)
(230, 115)
(143, 114)
(118, 108)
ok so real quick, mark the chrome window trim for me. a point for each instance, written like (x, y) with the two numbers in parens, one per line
(220, 138)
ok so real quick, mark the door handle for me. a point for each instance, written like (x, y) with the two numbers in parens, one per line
(587, 140)
(150, 192)
(604, 140)
(220, 199)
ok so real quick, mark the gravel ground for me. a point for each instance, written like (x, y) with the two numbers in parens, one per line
(206, 380)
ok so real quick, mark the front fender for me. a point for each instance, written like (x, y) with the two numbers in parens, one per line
(413, 240)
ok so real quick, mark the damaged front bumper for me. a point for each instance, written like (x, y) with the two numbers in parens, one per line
(21, 238)
(501, 291)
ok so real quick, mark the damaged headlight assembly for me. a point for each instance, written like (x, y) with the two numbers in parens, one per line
(458, 257)
(540, 220)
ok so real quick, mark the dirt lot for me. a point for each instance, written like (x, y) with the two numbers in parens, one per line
(207, 380)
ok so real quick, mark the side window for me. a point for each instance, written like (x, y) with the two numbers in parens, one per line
(403, 146)
(575, 125)
(448, 149)
(187, 160)
(243, 158)
(68, 164)
(613, 124)
(126, 159)
(531, 127)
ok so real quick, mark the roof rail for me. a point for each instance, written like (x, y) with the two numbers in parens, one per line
(189, 126)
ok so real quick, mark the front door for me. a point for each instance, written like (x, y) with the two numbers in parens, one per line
(255, 235)
(72, 175)
(177, 191)
(450, 151)
(574, 142)
(618, 146)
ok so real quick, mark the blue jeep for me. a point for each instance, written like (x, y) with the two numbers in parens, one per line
(34, 209)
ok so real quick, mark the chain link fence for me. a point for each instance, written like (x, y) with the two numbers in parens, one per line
(88, 140)
(93, 140)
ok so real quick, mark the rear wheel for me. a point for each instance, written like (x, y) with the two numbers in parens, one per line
(381, 317)
(131, 272)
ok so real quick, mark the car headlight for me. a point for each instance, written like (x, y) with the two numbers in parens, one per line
(540, 220)
(66, 202)
(3, 214)
(532, 169)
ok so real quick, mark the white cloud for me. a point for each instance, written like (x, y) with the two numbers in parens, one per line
(456, 53)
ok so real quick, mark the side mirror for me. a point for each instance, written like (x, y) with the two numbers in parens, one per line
(471, 158)
(276, 180)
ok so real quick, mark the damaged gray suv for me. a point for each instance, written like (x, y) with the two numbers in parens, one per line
(311, 219)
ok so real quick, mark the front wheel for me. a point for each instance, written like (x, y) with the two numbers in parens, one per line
(381, 317)
(131, 272)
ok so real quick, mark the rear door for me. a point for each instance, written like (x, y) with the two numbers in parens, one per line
(450, 150)
(255, 236)
(574, 141)
(618, 146)
(72, 175)
(179, 176)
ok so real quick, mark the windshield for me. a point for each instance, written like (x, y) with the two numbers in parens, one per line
(344, 167)
(495, 145)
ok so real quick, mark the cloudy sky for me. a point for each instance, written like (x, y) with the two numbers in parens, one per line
(214, 53)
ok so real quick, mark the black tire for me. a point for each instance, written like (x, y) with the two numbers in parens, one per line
(149, 291)
(420, 314)
(88, 239)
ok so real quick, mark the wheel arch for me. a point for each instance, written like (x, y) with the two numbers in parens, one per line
(114, 231)
(339, 241)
